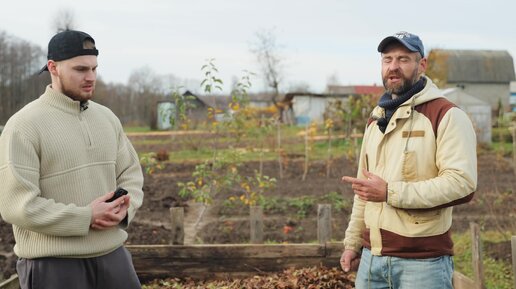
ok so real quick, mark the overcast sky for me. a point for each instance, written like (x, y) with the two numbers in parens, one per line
(319, 39)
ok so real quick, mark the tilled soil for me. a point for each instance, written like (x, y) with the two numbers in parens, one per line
(492, 206)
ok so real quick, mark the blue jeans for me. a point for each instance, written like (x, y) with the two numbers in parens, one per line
(382, 272)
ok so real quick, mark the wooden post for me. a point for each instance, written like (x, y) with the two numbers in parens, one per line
(11, 283)
(256, 220)
(329, 160)
(177, 234)
(476, 256)
(280, 158)
(356, 146)
(513, 245)
(307, 151)
(462, 282)
(262, 132)
(513, 133)
(323, 223)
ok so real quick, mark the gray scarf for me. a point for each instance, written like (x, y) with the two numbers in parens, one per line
(390, 105)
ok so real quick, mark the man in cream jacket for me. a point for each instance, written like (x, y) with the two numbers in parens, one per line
(418, 160)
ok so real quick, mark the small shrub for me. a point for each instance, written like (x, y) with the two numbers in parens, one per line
(337, 201)
(273, 205)
(501, 134)
(303, 205)
(150, 163)
(162, 155)
(497, 273)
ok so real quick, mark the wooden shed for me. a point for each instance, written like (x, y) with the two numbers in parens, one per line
(486, 74)
(310, 107)
(166, 111)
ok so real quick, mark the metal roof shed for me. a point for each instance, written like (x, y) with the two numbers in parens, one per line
(478, 111)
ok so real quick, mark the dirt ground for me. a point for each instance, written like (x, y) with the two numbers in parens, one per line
(492, 207)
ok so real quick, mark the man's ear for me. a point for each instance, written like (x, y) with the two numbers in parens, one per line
(52, 67)
(422, 65)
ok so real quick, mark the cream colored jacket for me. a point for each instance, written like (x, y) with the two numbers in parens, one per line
(54, 160)
(428, 157)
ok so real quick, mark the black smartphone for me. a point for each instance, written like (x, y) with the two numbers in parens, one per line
(118, 193)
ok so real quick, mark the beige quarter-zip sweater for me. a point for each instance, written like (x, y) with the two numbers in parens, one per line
(54, 160)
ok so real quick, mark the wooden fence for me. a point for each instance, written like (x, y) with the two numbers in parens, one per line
(238, 260)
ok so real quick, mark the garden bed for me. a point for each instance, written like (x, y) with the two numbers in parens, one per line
(290, 208)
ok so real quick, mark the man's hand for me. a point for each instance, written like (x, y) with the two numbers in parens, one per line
(349, 260)
(372, 189)
(107, 215)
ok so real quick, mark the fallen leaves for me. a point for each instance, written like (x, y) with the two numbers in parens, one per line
(304, 278)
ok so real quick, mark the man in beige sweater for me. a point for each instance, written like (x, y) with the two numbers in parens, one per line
(61, 158)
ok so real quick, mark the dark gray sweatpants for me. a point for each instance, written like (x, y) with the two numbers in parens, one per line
(112, 271)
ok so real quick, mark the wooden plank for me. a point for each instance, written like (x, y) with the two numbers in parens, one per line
(11, 283)
(226, 260)
(513, 246)
(177, 235)
(239, 250)
(334, 250)
(256, 223)
(460, 281)
(323, 223)
(204, 268)
(159, 261)
(476, 256)
(228, 251)
(213, 261)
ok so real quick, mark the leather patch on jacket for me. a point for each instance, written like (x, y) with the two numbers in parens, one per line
(412, 247)
(414, 133)
(435, 110)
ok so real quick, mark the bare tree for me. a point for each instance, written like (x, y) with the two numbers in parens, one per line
(333, 79)
(65, 20)
(146, 87)
(19, 60)
(267, 53)
(299, 86)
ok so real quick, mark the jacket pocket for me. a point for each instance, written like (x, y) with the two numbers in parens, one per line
(409, 166)
(422, 216)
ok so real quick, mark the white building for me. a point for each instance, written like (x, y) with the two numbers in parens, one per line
(478, 111)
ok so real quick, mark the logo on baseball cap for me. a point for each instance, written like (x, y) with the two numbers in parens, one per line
(68, 44)
(410, 41)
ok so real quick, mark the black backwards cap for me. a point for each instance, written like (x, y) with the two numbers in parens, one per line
(68, 44)
(410, 41)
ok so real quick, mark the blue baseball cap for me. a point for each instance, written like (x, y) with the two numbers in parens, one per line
(410, 41)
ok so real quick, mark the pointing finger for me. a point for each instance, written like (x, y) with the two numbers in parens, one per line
(348, 179)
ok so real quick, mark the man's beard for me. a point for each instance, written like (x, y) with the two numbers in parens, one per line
(75, 94)
(405, 85)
